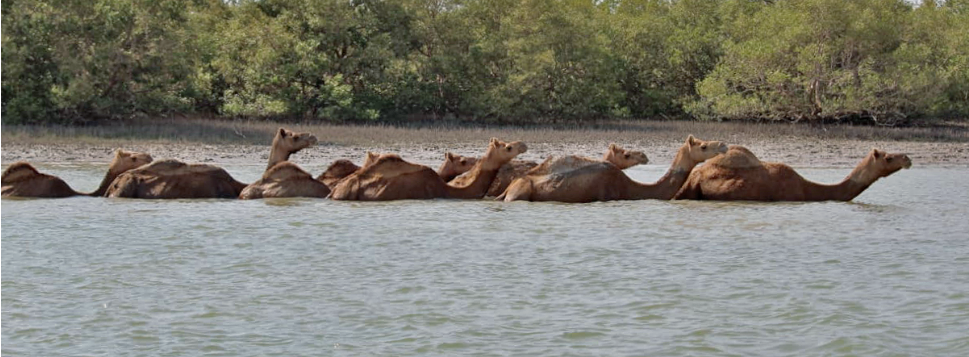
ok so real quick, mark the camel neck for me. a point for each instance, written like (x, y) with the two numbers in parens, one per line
(667, 186)
(105, 183)
(276, 156)
(857, 182)
(481, 177)
(441, 172)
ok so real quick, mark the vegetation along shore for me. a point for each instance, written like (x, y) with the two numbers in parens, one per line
(880, 62)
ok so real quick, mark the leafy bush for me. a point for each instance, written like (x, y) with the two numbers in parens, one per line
(884, 61)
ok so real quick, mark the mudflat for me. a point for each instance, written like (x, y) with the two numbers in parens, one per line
(235, 143)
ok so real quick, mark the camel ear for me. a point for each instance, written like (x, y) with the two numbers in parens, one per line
(118, 152)
(371, 154)
(613, 147)
(876, 154)
(282, 132)
(494, 142)
(691, 140)
(448, 156)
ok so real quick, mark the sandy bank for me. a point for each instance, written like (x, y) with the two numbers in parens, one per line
(799, 153)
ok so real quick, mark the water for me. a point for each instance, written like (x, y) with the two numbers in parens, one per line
(885, 275)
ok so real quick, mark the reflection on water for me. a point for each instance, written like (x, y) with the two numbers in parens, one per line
(886, 274)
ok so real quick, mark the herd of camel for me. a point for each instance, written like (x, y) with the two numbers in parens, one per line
(729, 173)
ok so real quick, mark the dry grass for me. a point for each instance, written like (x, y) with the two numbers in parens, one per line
(186, 131)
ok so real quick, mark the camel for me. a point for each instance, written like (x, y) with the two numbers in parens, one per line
(615, 154)
(285, 179)
(23, 180)
(392, 178)
(341, 169)
(739, 175)
(167, 179)
(452, 166)
(576, 180)
(170, 178)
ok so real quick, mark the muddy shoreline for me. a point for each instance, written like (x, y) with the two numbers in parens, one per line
(795, 152)
(247, 142)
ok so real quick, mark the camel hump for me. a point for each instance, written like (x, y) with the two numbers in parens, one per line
(737, 157)
(173, 167)
(595, 169)
(518, 167)
(343, 165)
(338, 170)
(163, 167)
(560, 164)
(513, 170)
(285, 170)
(18, 171)
(390, 165)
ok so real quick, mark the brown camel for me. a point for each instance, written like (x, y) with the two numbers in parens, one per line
(739, 175)
(576, 180)
(23, 180)
(392, 178)
(170, 178)
(341, 169)
(285, 179)
(511, 171)
(452, 166)
(167, 179)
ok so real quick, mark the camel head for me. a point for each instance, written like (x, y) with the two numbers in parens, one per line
(881, 164)
(455, 165)
(127, 160)
(500, 153)
(624, 159)
(700, 151)
(291, 141)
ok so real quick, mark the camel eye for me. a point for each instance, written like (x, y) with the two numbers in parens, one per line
(627, 156)
(703, 147)
(464, 162)
(507, 148)
(888, 159)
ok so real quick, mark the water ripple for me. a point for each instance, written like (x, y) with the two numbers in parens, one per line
(885, 275)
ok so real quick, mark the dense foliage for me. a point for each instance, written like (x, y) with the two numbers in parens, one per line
(882, 61)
